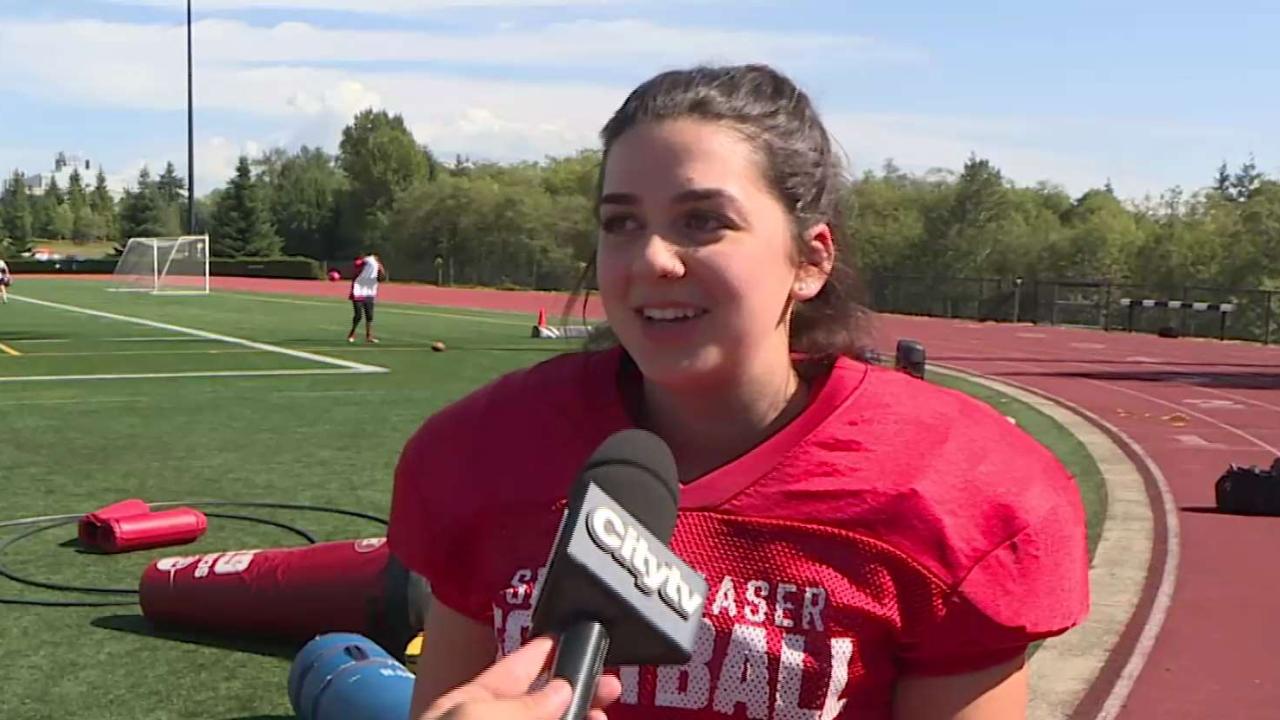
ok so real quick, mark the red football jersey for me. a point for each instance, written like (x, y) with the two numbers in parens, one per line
(893, 527)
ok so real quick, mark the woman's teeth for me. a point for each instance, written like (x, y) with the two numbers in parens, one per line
(667, 314)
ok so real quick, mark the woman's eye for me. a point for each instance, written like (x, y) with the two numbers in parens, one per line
(705, 222)
(617, 223)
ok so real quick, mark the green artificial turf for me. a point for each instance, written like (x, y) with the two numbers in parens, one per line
(326, 435)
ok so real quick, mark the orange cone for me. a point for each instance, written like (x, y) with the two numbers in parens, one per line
(542, 317)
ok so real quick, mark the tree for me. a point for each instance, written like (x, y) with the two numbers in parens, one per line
(53, 193)
(381, 159)
(51, 217)
(1253, 259)
(104, 209)
(575, 175)
(171, 186)
(976, 221)
(84, 225)
(143, 213)
(887, 218)
(1246, 181)
(305, 189)
(79, 220)
(16, 218)
(1222, 181)
(61, 223)
(486, 231)
(1099, 240)
(241, 224)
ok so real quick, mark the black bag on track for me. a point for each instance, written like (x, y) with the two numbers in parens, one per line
(1249, 490)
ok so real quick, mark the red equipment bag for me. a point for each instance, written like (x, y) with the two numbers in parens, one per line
(288, 593)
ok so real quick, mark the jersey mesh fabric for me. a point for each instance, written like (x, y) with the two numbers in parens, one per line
(894, 527)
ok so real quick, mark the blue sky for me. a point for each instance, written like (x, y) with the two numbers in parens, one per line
(1149, 94)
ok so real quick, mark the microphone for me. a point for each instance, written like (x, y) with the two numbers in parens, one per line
(614, 593)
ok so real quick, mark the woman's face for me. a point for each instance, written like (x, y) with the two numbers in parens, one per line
(696, 256)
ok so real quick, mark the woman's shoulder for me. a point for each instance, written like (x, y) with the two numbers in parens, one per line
(946, 476)
(954, 433)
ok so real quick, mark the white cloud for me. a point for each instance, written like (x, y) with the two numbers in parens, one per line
(1018, 146)
(216, 159)
(502, 138)
(287, 78)
(598, 44)
(284, 74)
(390, 7)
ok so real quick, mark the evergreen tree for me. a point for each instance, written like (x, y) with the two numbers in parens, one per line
(16, 219)
(104, 209)
(242, 225)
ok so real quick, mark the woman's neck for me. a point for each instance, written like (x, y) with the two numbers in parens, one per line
(708, 427)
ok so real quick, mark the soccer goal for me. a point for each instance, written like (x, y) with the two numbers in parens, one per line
(168, 265)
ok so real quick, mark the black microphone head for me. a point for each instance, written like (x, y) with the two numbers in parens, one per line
(636, 468)
(610, 563)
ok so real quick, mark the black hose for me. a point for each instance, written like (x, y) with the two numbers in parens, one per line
(51, 522)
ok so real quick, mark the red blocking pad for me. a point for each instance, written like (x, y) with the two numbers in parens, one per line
(91, 524)
(288, 593)
(152, 530)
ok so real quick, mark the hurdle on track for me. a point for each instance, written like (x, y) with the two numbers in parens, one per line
(1224, 309)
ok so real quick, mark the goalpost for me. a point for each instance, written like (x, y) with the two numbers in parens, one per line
(164, 266)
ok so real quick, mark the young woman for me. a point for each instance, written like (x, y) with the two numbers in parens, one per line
(364, 293)
(876, 546)
(5, 281)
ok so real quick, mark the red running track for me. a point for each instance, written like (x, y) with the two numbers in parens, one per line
(1193, 406)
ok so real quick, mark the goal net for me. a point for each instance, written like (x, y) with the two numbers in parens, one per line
(169, 265)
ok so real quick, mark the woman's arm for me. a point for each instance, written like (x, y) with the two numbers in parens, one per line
(996, 693)
(456, 650)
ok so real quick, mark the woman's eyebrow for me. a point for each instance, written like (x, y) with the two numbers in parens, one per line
(704, 194)
(619, 199)
(684, 196)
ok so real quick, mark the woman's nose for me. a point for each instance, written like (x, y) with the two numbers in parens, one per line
(660, 258)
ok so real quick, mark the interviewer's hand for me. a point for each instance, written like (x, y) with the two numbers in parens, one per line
(502, 691)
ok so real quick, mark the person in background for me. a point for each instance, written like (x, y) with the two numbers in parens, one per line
(364, 292)
(6, 279)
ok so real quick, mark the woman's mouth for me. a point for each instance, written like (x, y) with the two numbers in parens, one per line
(671, 314)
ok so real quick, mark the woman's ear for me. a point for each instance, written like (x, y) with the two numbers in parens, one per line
(817, 258)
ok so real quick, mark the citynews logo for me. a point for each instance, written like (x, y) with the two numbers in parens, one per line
(630, 550)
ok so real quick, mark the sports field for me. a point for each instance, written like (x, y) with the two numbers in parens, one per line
(233, 396)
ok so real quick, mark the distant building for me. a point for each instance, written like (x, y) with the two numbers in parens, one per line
(63, 165)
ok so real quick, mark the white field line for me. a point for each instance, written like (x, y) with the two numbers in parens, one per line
(348, 365)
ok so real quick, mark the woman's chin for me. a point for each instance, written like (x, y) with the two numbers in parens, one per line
(687, 369)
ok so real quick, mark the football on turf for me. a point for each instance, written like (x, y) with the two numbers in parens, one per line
(437, 346)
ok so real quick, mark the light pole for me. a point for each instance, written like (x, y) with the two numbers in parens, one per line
(1017, 297)
(191, 151)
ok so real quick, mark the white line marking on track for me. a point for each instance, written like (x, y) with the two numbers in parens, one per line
(1164, 591)
(1151, 398)
(1196, 441)
(1214, 404)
